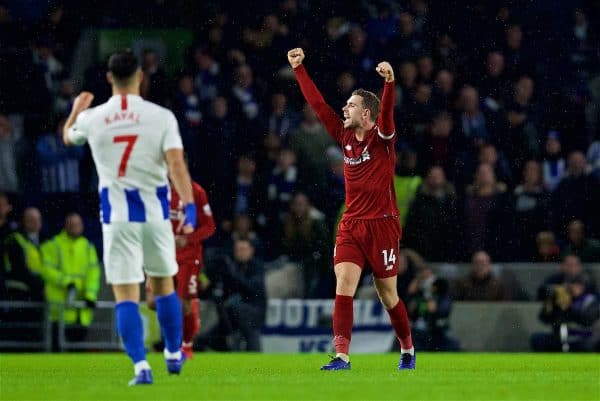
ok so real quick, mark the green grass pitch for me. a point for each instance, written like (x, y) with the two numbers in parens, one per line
(211, 376)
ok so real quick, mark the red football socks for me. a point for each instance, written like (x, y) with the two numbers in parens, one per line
(191, 322)
(343, 316)
(399, 319)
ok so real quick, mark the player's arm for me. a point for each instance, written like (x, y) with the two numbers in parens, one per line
(332, 122)
(180, 177)
(81, 103)
(386, 115)
(206, 223)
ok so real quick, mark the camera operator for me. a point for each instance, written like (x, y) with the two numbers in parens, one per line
(429, 309)
(571, 309)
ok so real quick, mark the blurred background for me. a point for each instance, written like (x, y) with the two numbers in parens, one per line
(497, 175)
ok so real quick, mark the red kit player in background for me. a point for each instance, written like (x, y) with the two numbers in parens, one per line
(369, 232)
(190, 262)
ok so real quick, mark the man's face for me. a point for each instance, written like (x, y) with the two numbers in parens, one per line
(32, 221)
(571, 266)
(243, 251)
(481, 264)
(354, 112)
(5, 207)
(74, 226)
(575, 232)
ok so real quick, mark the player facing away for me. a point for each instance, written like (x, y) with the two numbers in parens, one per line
(190, 261)
(135, 145)
(369, 232)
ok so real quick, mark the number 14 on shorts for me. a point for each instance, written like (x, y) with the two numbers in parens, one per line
(389, 258)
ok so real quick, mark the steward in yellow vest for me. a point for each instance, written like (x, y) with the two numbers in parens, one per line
(71, 273)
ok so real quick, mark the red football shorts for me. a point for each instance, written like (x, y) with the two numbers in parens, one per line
(186, 279)
(374, 243)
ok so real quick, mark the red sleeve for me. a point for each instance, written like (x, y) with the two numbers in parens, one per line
(331, 121)
(386, 115)
(205, 226)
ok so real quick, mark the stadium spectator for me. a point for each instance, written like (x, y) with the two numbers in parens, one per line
(305, 240)
(71, 273)
(432, 222)
(282, 184)
(22, 260)
(281, 119)
(574, 198)
(546, 248)
(554, 166)
(207, 78)
(310, 142)
(245, 94)
(155, 85)
(571, 310)
(243, 228)
(238, 289)
(494, 85)
(489, 154)
(569, 268)
(530, 211)
(9, 156)
(473, 131)
(520, 142)
(429, 309)
(59, 164)
(582, 43)
(484, 213)
(516, 56)
(481, 284)
(587, 249)
(408, 44)
(443, 90)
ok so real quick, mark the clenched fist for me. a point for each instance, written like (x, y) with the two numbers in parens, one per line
(385, 70)
(295, 57)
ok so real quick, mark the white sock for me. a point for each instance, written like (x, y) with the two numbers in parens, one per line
(343, 357)
(139, 366)
(172, 355)
(408, 351)
(187, 345)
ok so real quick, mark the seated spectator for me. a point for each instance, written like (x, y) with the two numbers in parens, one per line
(547, 249)
(207, 77)
(22, 259)
(59, 164)
(281, 185)
(21, 277)
(71, 273)
(238, 288)
(573, 198)
(155, 84)
(553, 165)
(481, 283)
(436, 148)
(306, 241)
(570, 267)
(587, 249)
(571, 310)
(489, 154)
(429, 310)
(530, 211)
(281, 119)
(242, 228)
(485, 211)
(432, 222)
(310, 142)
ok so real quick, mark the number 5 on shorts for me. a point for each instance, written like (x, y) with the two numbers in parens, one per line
(389, 258)
(130, 141)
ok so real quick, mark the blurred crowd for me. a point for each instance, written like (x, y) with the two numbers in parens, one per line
(498, 115)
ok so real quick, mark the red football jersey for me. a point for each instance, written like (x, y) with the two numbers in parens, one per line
(205, 225)
(369, 164)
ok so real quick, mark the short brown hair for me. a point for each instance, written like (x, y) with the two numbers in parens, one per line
(370, 101)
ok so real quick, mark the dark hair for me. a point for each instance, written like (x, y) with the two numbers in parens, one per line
(123, 64)
(370, 101)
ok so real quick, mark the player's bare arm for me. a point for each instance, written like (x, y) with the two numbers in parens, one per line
(182, 182)
(295, 57)
(81, 103)
(385, 70)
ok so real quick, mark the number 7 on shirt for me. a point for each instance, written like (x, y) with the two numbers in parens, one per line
(130, 141)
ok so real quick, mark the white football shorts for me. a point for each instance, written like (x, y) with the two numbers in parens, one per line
(130, 249)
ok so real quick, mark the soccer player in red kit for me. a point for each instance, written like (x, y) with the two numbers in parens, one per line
(369, 232)
(190, 262)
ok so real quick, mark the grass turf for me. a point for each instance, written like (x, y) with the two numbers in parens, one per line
(103, 376)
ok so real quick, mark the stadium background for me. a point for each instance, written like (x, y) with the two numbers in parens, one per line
(515, 75)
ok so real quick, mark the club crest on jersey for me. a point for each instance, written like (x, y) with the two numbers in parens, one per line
(353, 161)
(122, 116)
